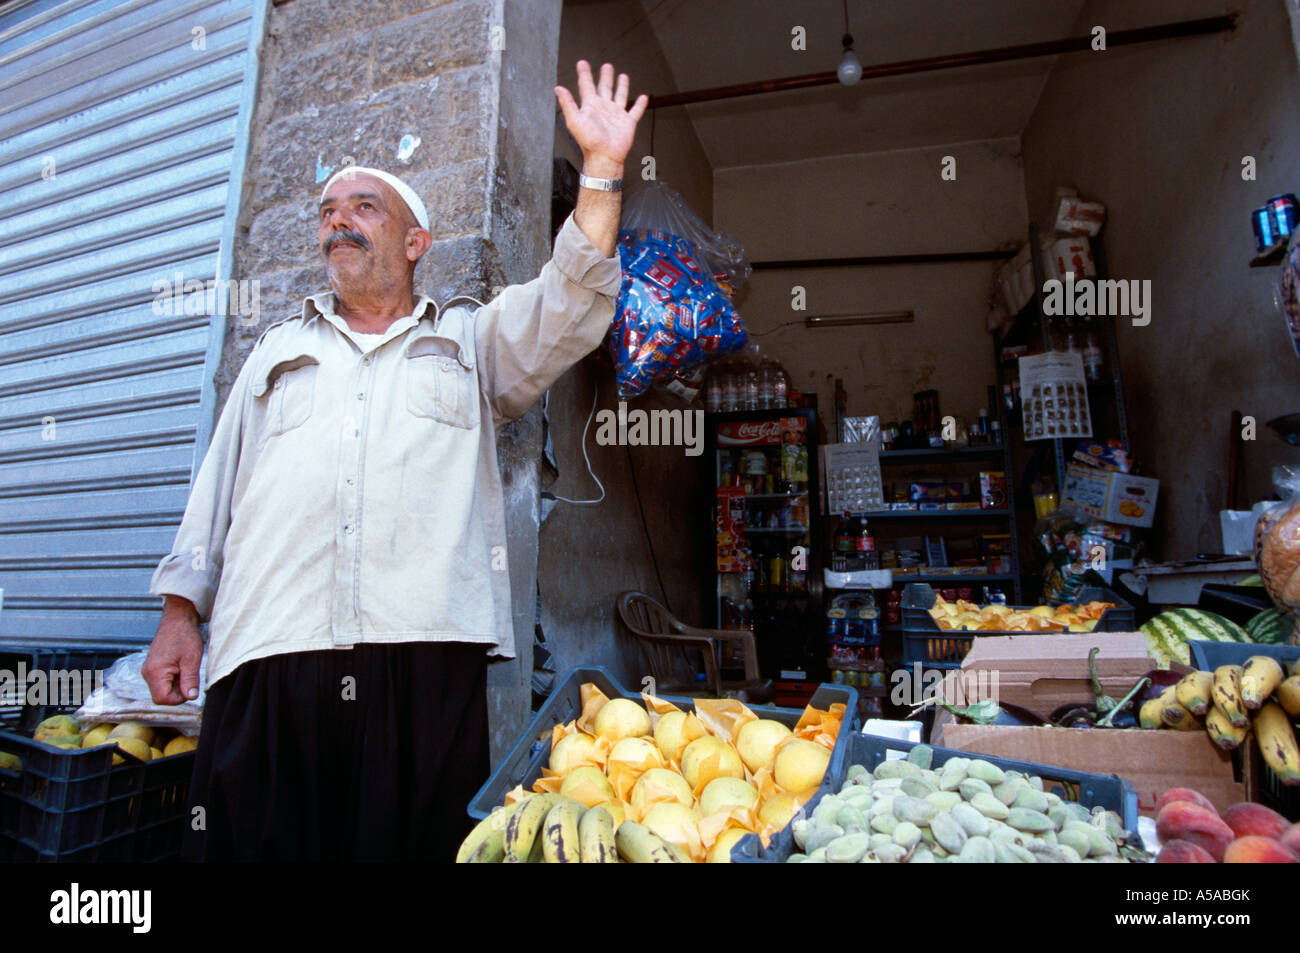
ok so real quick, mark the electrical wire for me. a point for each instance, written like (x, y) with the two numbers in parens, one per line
(784, 324)
(595, 396)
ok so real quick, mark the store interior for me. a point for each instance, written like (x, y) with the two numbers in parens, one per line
(1179, 139)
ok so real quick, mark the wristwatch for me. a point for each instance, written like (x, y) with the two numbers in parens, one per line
(600, 185)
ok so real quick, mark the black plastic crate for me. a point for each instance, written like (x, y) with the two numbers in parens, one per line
(74, 805)
(523, 765)
(1208, 656)
(24, 718)
(1091, 790)
(925, 642)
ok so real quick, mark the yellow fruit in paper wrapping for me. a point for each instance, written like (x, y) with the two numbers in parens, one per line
(676, 824)
(778, 810)
(588, 785)
(756, 742)
(637, 751)
(132, 729)
(723, 794)
(132, 746)
(674, 731)
(712, 756)
(658, 784)
(800, 765)
(616, 810)
(621, 718)
(720, 852)
(572, 751)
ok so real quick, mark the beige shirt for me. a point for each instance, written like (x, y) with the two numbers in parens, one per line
(352, 495)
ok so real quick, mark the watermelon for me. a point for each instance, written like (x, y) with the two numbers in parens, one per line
(1168, 633)
(1271, 627)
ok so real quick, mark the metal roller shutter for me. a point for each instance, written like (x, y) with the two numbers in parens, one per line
(123, 124)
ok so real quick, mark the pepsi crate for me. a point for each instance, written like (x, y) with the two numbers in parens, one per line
(1091, 790)
(523, 765)
(925, 642)
(75, 805)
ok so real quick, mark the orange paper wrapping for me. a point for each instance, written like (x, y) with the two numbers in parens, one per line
(600, 746)
(724, 717)
(593, 700)
(711, 827)
(625, 774)
(652, 793)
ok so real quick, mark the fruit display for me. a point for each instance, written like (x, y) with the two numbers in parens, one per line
(141, 741)
(1232, 703)
(1169, 633)
(651, 783)
(968, 811)
(963, 616)
(1191, 831)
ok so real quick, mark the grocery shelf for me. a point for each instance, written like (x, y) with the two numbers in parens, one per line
(958, 580)
(777, 496)
(937, 455)
(934, 514)
(791, 530)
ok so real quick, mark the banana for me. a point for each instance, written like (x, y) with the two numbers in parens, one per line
(1277, 742)
(637, 844)
(1193, 692)
(483, 834)
(1171, 712)
(1149, 714)
(1222, 731)
(523, 826)
(596, 837)
(1260, 677)
(1227, 695)
(490, 850)
(560, 843)
(1288, 695)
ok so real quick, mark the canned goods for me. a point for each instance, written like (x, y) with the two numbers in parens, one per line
(1261, 221)
(1283, 210)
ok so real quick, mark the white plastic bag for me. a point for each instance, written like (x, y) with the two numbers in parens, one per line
(656, 206)
(125, 696)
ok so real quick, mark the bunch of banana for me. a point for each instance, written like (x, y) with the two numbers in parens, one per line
(1234, 701)
(552, 829)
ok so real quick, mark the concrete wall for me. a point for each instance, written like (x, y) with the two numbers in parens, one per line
(352, 78)
(878, 204)
(1158, 133)
(591, 553)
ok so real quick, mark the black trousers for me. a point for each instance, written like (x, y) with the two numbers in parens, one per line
(363, 754)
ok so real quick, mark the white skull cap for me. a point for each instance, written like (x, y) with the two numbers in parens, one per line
(401, 188)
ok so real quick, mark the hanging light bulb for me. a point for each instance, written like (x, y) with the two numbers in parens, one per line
(850, 68)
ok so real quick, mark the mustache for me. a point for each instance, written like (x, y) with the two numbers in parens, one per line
(344, 235)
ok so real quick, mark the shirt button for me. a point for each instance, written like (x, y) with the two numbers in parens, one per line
(348, 529)
(361, 396)
(365, 361)
(351, 481)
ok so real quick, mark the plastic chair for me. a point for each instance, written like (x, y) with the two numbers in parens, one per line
(667, 642)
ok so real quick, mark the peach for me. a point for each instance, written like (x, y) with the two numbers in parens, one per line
(1253, 849)
(1291, 839)
(1249, 818)
(1183, 794)
(1184, 820)
(1182, 852)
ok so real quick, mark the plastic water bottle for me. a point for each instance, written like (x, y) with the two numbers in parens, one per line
(750, 377)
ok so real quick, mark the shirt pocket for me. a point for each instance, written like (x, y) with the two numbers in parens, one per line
(287, 392)
(440, 384)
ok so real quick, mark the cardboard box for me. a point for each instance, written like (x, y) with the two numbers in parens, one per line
(1113, 497)
(1152, 760)
(1042, 672)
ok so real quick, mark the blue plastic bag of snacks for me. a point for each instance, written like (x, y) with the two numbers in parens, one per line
(674, 310)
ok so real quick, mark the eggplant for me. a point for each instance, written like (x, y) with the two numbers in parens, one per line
(1158, 680)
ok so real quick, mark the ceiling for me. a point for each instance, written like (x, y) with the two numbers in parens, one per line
(711, 43)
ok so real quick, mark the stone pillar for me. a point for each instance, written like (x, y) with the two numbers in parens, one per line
(355, 81)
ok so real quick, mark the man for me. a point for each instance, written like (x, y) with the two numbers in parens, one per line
(345, 536)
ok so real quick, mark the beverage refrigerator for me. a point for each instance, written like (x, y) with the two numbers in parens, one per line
(760, 480)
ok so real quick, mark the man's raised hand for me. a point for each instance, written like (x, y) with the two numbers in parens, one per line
(602, 125)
